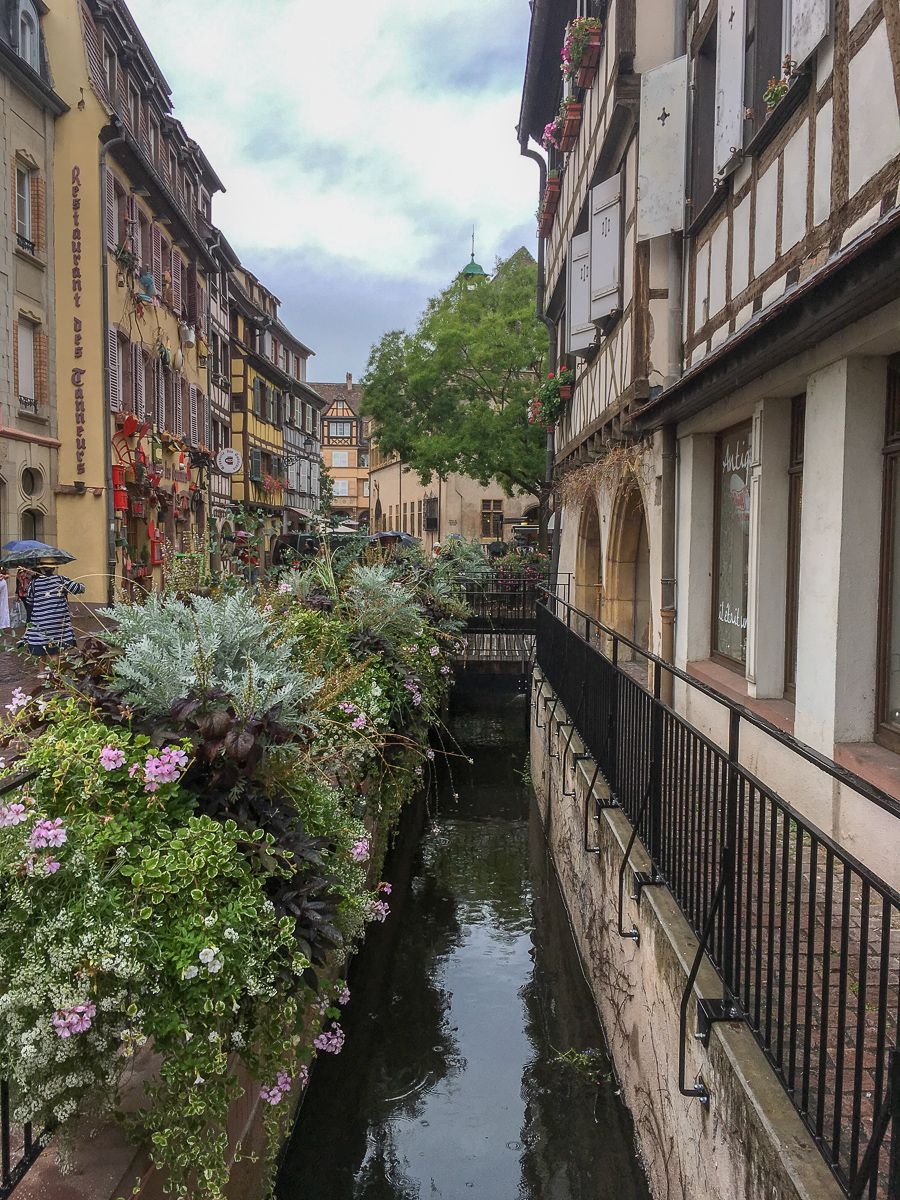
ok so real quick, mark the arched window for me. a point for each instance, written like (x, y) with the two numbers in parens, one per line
(28, 34)
(32, 525)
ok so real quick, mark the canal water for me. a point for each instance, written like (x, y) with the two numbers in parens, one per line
(474, 1062)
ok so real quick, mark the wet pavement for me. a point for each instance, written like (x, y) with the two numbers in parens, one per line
(451, 1083)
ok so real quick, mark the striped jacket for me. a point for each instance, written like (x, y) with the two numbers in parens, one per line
(49, 621)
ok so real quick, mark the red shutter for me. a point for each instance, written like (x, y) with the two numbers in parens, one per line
(156, 258)
(194, 415)
(176, 281)
(111, 223)
(113, 369)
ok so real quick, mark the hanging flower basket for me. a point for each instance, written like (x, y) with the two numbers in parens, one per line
(571, 125)
(547, 405)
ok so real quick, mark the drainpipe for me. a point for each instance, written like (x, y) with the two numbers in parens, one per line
(541, 315)
(669, 440)
(116, 139)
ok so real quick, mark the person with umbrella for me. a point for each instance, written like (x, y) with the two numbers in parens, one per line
(49, 629)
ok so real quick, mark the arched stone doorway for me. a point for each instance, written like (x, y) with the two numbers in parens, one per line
(588, 593)
(627, 604)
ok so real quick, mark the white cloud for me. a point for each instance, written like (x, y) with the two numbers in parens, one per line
(367, 132)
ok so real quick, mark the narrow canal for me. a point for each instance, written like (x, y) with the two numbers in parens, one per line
(459, 1076)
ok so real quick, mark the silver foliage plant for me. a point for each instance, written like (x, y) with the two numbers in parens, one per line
(378, 602)
(225, 643)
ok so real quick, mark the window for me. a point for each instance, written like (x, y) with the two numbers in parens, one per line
(24, 227)
(28, 35)
(762, 58)
(25, 348)
(492, 520)
(341, 487)
(731, 544)
(134, 110)
(795, 500)
(109, 70)
(32, 525)
(365, 487)
(702, 178)
(154, 141)
(888, 728)
(32, 482)
(403, 526)
(340, 458)
(339, 429)
(419, 518)
(363, 458)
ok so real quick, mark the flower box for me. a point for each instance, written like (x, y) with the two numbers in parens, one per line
(590, 60)
(565, 391)
(571, 126)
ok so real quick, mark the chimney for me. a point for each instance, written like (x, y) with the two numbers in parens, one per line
(349, 381)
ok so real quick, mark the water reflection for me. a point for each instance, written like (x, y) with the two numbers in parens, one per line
(448, 1085)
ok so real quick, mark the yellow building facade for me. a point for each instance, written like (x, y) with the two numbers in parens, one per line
(132, 214)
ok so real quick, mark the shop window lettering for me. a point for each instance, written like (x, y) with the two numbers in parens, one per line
(78, 373)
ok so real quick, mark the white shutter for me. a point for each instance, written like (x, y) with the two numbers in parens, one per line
(661, 153)
(113, 367)
(194, 434)
(112, 231)
(580, 333)
(137, 378)
(729, 133)
(809, 25)
(606, 248)
(176, 282)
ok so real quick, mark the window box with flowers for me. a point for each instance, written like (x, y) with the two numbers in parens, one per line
(562, 132)
(547, 405)
(549, 203)
(581, 50)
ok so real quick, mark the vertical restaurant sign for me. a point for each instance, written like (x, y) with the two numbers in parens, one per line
(78, 373)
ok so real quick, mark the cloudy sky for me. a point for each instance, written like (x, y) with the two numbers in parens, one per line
(358, 143)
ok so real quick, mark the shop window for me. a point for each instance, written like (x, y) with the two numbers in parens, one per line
(731, 545)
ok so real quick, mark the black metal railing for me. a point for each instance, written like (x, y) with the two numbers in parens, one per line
(502, 603)
(18, 1145)
(28, 404)
(805, 938)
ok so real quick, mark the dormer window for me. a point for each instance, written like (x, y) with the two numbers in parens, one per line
(28, 34)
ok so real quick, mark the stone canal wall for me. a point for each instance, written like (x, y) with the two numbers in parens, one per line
(748, 1142)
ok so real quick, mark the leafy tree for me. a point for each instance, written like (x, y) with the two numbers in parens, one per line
(454, 394)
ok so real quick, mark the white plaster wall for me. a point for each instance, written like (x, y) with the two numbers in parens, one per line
(822, 169)
(839, 553)
(740, 247)
(701, 286)
(874, 121)
(718, 251)
(796, 170)
(766, 199)
(694, 552)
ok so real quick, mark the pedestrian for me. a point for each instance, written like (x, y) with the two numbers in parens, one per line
(18, 612)
(4, 602)
(49, 629)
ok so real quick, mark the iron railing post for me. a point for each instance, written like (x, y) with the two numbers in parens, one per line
(729, 858)
(656, 771)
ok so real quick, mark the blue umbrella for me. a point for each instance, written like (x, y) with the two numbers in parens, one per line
(21, 553)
